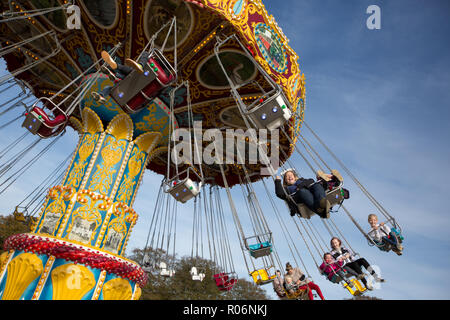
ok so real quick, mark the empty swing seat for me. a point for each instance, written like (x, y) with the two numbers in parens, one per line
(37, 121)
(196, 276)
(224, 282)
(137, 89)
(164, 271)
(184, 190)
(260, 249)
(357, 288)
(261, 277)
(271, 113)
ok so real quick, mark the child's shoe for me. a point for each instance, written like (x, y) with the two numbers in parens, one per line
(337, 175)
(133, 64)
(323, 176)
(378, 279)
(107, 58)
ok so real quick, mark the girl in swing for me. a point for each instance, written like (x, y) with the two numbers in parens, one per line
(330, 267)
(295, 190)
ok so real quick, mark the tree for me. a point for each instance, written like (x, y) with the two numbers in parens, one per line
(9, 226)
(364, 298)
(182, 287)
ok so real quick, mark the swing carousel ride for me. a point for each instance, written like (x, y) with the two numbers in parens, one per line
(224, 64)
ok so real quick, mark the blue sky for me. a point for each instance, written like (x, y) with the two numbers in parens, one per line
(380, 100)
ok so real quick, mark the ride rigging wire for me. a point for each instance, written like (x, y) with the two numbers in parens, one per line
(155, 210)
(27, 166)
(287, 235)
(14, 46)
(215, 218)
(38, 206)
(12, 121)
(39, 190)
(9, 87)
(17, 157)
(312, 169)
(226, 248)
(343, 207)
(9, 147)
(86, 86)
(15, 72)
(13, 15)
(380, 208)
(325, 221)
(195, 230)
(16, 105)
(244, 117)
(4, 104)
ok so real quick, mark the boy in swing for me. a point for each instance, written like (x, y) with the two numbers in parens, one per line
(382, 234)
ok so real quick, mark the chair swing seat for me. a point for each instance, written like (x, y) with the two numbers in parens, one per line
(357, 288)
(18, 215)
(224, 282)
(164, 271)
(137, 89)
(184, 190)
(300, 294)
(260, 249)
(386, 246)
(197, 276)
(398, 234)
(335, 196)
(262, 277)
(271, 113)
(45, 125)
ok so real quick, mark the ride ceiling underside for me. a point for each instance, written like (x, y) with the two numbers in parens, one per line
(132, 23)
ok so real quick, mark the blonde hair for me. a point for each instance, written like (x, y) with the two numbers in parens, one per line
(288, 278)
(372, 215)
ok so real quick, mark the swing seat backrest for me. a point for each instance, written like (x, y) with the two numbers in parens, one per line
(49, 122)
(260, 249)
(37, 121)
(270, 113)
(336, 195)
(196, 275)
(193, 271)
(304, 211)
(137, 89)
(220, 279)
(224, 282)
(261, 277)
(164, 271)
(397, 233)
(300, 294)
(184, 190)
